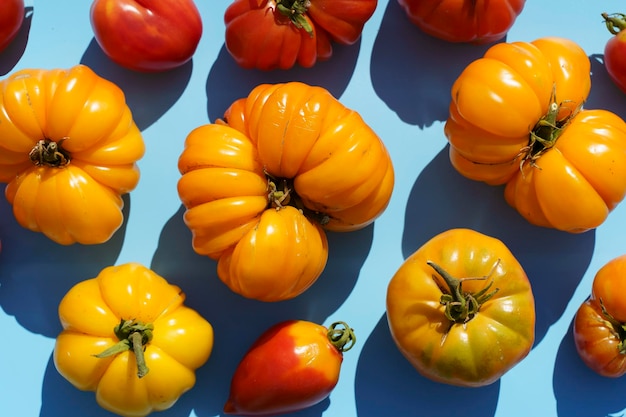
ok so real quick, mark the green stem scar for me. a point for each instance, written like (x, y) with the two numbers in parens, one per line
(341, 336)
(49, 153)
(133, 335)
(617, 328)
(295, 10)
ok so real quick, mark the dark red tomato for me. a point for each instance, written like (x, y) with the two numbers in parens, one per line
(147, 35)
(293, 365)
(11, 18)
(475, 21)
(278, 34)
(615, 49)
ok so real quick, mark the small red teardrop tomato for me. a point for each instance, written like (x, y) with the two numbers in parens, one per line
(615, 49)
(600, 323)
(11, 18)
(293, 365)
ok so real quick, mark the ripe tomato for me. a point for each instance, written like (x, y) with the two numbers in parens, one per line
(11, 18)
(270, 34)
(261, 187)
(516, 118)
(477, 21)
(600, 322)
(293, 365)
(461, 309)
(615, 49)
(70, 149)
(147, 35)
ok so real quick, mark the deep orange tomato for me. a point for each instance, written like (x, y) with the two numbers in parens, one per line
(477, 21)
(261, 186)
(270, 34)
(600, 323)
(461, 309)
(516, 118)
(615, 49)
(69, 149)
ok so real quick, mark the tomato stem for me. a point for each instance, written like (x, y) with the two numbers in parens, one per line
(295, 10)
(49, 153)
(460, 306)
(343, 338)
(133, 335)
(619, 328)
(615, 22)
(281, 193)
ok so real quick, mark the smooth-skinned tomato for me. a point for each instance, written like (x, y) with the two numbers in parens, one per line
(278, 34)
(615, 49)
(461, 309)
(11, 19)
(600, 322)
(262, 186)
(69, 152)
(128, 336)
(472, 21)
(293, 365)
(147, 35)
(516, 118)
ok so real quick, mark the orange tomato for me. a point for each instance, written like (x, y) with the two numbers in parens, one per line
(69, 149)
(516, 118)
(261, 186)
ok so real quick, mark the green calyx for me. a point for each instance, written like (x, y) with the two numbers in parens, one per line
(617, 328)
(49, 153)
(133, 335)
(295, 10)
(281, 193)
(461, 306)
(341, 336)
(615, 22)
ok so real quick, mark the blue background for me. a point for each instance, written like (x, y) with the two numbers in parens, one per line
(399, 80)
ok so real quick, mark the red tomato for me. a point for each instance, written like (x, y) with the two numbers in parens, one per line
(615, 49)
(271, 34)
(147, 35)
(600, 323)
(11, 18)
(477, 21)
(293, 365)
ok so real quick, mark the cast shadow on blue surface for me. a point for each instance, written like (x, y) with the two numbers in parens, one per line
(579, 391)
(387, 385)
(228, 82)
(36, 272)
(149, 95)
(554, 261)
(10, 56)
(412, 72)
(236, 321)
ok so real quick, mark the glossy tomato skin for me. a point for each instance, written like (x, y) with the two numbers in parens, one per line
(70, 149)
(478, 349)
(147, 35)
(291, 366)
(179, 342)
(475, 21)
(259, 36)
(290, 140)
(599, 331)
(615, 50)
(11, 18)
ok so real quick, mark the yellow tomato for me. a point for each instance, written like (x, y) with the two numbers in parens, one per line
(68, 147)
(128, 336)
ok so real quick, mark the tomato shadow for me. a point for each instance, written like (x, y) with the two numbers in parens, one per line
(579, 391)
(412, 72)
(228, 82)
(36, 272)
(149, 95)
(386, 384)
(604, 93)
(554, 261)
(238, 321)
(11, 55)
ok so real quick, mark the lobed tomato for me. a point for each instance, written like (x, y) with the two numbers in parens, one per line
(600, 322)
(615, 49)
(147, 35)
(11, 18)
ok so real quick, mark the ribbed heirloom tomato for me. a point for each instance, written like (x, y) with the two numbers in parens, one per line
(68, 147)
(516, 118)
(271, 34)
(476, 21)
(600, 323)
(461, 309)
(261, 186)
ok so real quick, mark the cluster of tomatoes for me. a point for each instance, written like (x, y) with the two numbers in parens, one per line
(273, 168)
